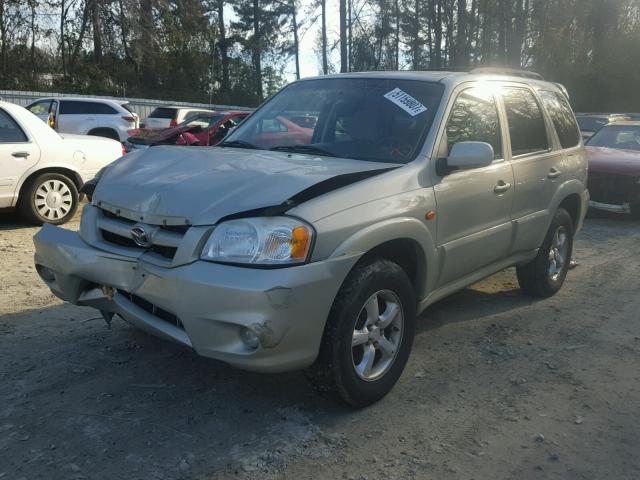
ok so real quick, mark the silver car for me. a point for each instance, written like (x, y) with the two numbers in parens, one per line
(316, 248)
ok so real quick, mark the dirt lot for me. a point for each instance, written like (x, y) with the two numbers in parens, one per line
(499, 386)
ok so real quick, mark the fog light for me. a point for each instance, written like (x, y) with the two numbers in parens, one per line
(249, 338)
(46, 274)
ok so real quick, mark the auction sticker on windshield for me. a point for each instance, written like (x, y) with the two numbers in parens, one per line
(405, 101)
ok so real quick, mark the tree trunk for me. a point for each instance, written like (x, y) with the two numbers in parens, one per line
(256, 54)
(461, 57)
(223, 48)
(62, 40)
(97, 31)
(350, 34)
(397, 37)
(343, 36)
(325, 65)
(437, 34)
(3, 40)
(147, 44)
(296, 43)
(32, 50)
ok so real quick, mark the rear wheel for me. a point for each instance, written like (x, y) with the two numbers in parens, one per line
(368, 336)
(105, 132)
(545, 274)
(49, 198)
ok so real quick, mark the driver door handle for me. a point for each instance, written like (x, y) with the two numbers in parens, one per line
(501, 187)
(20, 154)
(553, 173)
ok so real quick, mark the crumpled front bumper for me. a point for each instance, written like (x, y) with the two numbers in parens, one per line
(286, 307)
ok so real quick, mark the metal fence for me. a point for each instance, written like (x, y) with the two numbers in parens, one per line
(142, 106)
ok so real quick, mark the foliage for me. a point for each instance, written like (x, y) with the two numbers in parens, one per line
(188, 50)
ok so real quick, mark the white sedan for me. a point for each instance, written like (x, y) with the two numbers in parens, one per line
(42, 171)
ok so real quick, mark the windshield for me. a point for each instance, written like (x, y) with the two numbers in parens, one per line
(624, 137)
(202, 120)
(380, 120)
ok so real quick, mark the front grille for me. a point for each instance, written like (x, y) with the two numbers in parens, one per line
(116, 230)
(153, 309)
(164, 251)
(612, 189)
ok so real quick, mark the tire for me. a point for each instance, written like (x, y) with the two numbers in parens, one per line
(342, 370)
(49, 198)
(545, 274)
(105, 132)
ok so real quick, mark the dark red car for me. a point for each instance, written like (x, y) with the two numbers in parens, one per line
(614, 168)
(202, 129)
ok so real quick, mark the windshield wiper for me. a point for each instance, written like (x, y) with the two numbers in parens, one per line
(239, 144)
(310, 149)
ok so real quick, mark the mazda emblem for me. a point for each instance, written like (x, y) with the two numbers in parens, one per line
(140, 236)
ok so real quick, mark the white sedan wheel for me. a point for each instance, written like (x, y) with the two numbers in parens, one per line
(53, 200)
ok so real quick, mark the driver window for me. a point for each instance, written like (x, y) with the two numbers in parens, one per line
(474, 118)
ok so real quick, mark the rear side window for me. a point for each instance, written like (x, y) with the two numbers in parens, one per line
(474, 118)
(563, 120)
(85, 108)
(163, 112)
(10, 131)
(526, 123)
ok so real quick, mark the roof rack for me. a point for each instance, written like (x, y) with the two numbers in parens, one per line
(508, 71)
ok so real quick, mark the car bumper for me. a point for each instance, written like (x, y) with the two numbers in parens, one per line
(202, 305)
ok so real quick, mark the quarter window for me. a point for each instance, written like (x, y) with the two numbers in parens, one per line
(40, 108)
(562, 116)
(10, 131)
(526, 123)
(474, 118)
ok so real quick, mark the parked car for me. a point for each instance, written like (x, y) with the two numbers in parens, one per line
(281, 255)
(168, 117)
(42, 171)
(590, 123)
(202, 129)
(614, 168)
(87, 116)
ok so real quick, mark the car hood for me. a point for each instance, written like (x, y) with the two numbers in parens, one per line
(149, 136)
(199, 186)
(613, 161)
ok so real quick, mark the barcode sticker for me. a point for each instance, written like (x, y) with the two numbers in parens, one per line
(405, 101)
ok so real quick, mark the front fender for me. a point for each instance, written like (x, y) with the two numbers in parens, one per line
(388, 230)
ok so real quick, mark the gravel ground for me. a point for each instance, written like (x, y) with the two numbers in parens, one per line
(499, 386)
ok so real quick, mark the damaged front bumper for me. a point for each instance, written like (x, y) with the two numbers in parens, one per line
(201, 305)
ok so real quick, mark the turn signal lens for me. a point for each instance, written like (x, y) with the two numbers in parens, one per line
(300, 242)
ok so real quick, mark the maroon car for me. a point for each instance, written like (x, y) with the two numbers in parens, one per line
(202, 129)
(614, 168)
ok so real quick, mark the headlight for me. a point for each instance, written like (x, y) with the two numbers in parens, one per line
(260, 241)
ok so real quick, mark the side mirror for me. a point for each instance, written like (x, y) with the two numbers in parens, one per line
(466, 155)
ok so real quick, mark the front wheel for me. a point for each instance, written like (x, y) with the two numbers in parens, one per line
(545, 274)
(368, 336)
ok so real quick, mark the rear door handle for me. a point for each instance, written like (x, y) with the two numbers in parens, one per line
(553, 173)
(20, 154)
(501, 187)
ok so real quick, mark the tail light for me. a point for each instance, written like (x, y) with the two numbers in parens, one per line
(173, 123)
(129, 119)
(124, 150)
